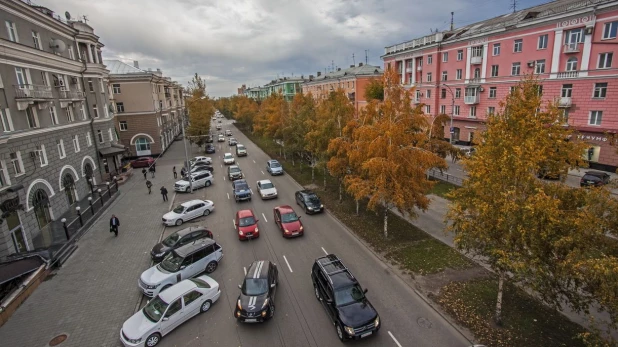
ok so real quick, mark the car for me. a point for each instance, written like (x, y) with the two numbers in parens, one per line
(221, 138)
(188, 210)
(201, 167)
(210, 149)
(201, 159)
(309, 201)
(266, 189)
(219, 121)
(241, 151)
(209, 139)
(142, 162)
(594, 179)
(218, 126)
(288, 221)
(228, 132)
(241, 190)
(234, 172)
(199, 179)
(168, 310)
(256, 302)
(550, 172)
(178, 239)
(232, 141)
(343, 298)
(182, 263)
(274, 168)
(228, 159)
(246, 225)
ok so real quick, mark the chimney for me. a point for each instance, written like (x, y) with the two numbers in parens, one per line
(319, 73)
(158, 70)
(351, 65)
(310, 77)
(360, 64)
(136, 64)
(338, 69)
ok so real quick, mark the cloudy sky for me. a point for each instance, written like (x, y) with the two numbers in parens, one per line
(231, 43)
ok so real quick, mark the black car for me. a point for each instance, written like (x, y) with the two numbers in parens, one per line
(202, 167)
(594, 178)
(343, 298)
(241, 190)
(178, 239)
(256, 302)
(210, 149)
(234, 172)
(309, 201)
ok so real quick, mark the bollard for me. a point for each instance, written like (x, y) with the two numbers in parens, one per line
(91, 185)
(66, 229)
(109, 192)
(100, 195)
(91, 207)
(79, 213)
(116, 182)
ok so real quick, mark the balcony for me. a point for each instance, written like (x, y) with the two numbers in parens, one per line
(564, 102)
(471, 99)
(33, 92)
(475, 80)
(72, 94)
(476, 60)
(568, 74)
(571, 48)
(416, 100)
(168, 95)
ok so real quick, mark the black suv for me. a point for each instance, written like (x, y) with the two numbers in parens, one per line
(594, 178)
(309, 201)
(241, 190)
(178, 239)
(256, 302)
(343, 298)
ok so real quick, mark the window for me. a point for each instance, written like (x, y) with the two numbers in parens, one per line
(442, 109)
(539, 66)
(600, 90)
(82, 111)
(518, 45)
(609, 30)
(60, 146)
(573, 37)
(88, 139)
(496, 50)
(539, 90)
(512, 89)
(542, 44)
(491, 110)
(191, 297)
(36, 38)
(456, 110)
(31, 116)
(141, 144)
(116, 88)
(494, 71)
(444, 57)
(96, 111)
(106, 109)
(493, 92)
(460, 55)
(119, 107)
(429, 59)
(571, 64)
(76, 143)
(595, 117)
(90, 85)
(12, 31)
(458, 74)
(45, 78)
(22, 76)
(472, 111)
(69, 113)
(5, 118)
(160, 104)
(444, 75)
(566, 91)
(457, 93)
(515, 69)
(101, 86)
(605, 60)
(18, 164)
(53, 116)
(429, 77)
(123, 125)
(427, 109)
(100, 136)
(428, 95)
(443, 93)
(42, 154)
(111, 134)
(71, 53)
(173, 308)
(4, 176)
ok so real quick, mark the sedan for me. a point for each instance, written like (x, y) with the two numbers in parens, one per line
(221, 138)
(594, 179)
(210, 149)
(309, 201)
(246, 224)
(142, 162)
(274, 168)
(288, 221)
(178, 239)
(232, 141)
(188, 210)
(168, 310)
(266, 189)
(228, 159)
(201, 159)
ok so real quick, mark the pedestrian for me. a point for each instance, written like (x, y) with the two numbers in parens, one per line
(149, 185)
(144, 172)
(114, 223)
(152, 170)
(182, 172)
(164, 193)
(175, 174)
(154, 166)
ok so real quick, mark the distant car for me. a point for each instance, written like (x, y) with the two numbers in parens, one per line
(234, 172)
(232, 141)
(266, 189)
(256, 302)
(209, 139)
(199, 179)
(218, 126)
(228, 159)
(188, 210)
(200, 167)
(168, 310)
(178, 239)
(594, 179)
(228, 132)
(309, 201)
(246, 225)
(274, 168)
(219, 121)
(142, 162)
(241, 190)
(210, 149)
(288, 221)
(201, 159)
(241, 151)
(221, 138)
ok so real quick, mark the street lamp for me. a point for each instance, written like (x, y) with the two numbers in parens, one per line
(451, 130)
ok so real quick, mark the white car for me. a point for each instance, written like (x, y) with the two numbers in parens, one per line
(201, 159)
(228, 159)
(199, 179)
(228, 132)
(168, 310)
(266, 189)
(188, 210)
(221, 138)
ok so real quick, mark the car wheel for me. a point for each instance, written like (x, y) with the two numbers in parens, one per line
(208, 183)
(187, 189)
(339, 332)
(211, 267)
(153, 340)
(205, 306)
(179, 222)
(272, 311)
(306, 210)
(206, 212)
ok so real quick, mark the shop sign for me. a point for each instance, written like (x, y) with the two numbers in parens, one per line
(591, 138)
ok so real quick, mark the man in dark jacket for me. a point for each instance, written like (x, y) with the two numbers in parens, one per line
(114, 223)
(164, 193)
(144, 172)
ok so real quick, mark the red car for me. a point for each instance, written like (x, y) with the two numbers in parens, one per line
(288, 221)
(246, 224)
(142, 162)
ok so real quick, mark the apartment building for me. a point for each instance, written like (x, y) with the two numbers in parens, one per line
(54, 145)
(286, 86)
(148, 106)
(353, 81)
(569, 45)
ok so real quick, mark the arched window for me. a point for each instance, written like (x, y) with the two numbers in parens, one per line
(69, 188)
(571, 64)
(141, 144)
(40, 201)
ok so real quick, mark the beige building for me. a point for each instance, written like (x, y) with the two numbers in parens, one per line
(148, 107)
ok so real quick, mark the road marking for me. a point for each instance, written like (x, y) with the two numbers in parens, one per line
(289, 267)
(325, 252)
(265, 220)
(228, 196)
(253, 161)
(245, 270)
(224, 178)
(251, 190)
(262, 172)
(234, 224)
(394, 339)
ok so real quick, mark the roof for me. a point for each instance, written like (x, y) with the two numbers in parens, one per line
(245, 213)
(176, 290)
(334, 269)
(108, 151)
(12, 269)
(264, 181)
(363, 70)
(273, 161)
(193, 246)
(285, 209)
(258, 269)
(191, 202)
(307, 192)
(227, 153)
(188, 230)
(116, 67)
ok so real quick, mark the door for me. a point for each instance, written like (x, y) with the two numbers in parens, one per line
(192, 211)
(273, 281)
(199, 209)
(187, 268)
(192, 300)
(172, 317)
(277, 217)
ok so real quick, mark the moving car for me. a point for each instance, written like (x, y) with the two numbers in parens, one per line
(256, 302)
(241, 151)
(228, 159)
(234, 172)
(288, 221)
(210, 149)
(221, 138)
(198, 168)
(228, 132)
(168, 310)
(246, 225)
(594, 179)
(232, 141)
(309, 201)
(346, 305)
(209, 139)
(188, 210)
(241, 190)
(182, 263)
(200, 179)
(266, 189)
(178, 239)
(142, 162)
(218, 126)
(274, 168)
(201, 159)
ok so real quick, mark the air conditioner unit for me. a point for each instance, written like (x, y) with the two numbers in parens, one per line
(588, 31)
(531, 63)
(481, 89)
(59, 83)
(34, 154)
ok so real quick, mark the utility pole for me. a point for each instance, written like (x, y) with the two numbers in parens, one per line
(452, 24)
(366, 56)
(184, 140)
(353, 60)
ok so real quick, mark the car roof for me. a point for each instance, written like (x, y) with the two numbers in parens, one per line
(227, 153)
(176, 291)
(233, 167)
(273, 161)
(285, 208)
(192, 202)
(245, 213)
(189, 248)
(597, 173)
(338, 273)
(239, 145)
(258, 269)
(189, 230)
(239, 182)
(264, 181)
(200, 157)
(307, 192)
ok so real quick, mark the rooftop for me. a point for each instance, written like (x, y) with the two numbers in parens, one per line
(360, 70)
(116, 67)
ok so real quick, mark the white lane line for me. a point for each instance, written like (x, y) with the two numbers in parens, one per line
(228, 196)
(224, 178)
(265, 220)
(325, 252)
(394, 339)
(251, 190)
(253, 161)
(245, 270)
(289, 267)
(234, 223)
(262, 172)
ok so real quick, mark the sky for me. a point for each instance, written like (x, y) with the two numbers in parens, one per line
(230, 43)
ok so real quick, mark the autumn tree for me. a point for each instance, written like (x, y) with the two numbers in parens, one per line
(270, 119)
(392, 165)
(302, 109)
(200, 108)
(374, 90)
(245, 110)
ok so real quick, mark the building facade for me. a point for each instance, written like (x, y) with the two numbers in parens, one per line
(148, 106)
(569, 45)
(353, 81)
(286, 86)
(54, 145)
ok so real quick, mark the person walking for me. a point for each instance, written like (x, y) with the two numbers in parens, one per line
(144, 172)
(182, 172)
(149, 186)
(114, 223)
(175, 174)
(152, 170)
(164, 193)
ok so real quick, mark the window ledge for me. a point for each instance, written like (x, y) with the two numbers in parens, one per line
(598, 98)
(21, 174)
(44, 165)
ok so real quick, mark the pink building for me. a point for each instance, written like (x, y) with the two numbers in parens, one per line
(570, 44)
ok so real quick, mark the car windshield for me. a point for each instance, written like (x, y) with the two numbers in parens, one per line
(349, 295)
(267, 185)
(227, 156)
(180, 209)
(171, 240)
(313, 198)
(241, 186)
(247, 221)
(240, 148)
(591, 178)
(253, 286)
(289, 217)
(171, 263)
(234, 169)
(275, 164)
(200, 283)
(155, 309)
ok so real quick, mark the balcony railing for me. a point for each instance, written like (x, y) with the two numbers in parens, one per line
(437, 37)
(564, 102)
(416, 100)
(568, 74)
(476, 60)
(475, 80)
(33, 91)
(471, 99)
(572, 47)
(72, 94)
(168, 94)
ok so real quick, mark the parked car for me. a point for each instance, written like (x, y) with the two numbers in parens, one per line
(343, 298)
(228, 132)
(199, 179)
(309, 201)
(219, 121)
(246, 225)
(266, 189)
(228, 159)
(188, 210)
(210, 149)
(142, 162)
(234, 172)
(241, 190)
(288, 221)
(178, 239)
(221, 138)
(274, 168)
(209, 139)
(241, 150)
(232, 141)
(168, 310)
(201, 159)
(182, 263)
(256, 302)
(197, 167)
(594, 179)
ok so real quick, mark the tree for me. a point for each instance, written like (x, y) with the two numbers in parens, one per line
(301, 110)
(245, 111)
(271, 117)
(200, 108)
(392, 166)
(374, 90)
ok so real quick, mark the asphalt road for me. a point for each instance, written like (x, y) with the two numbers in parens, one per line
(300, 320)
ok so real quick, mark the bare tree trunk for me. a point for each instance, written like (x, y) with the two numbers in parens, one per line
(386, 222)
(324, 177)
(312, 171)
(340, 191)
(357, 206)
(300, 163)
(280, 151)
(293, 161)
(284, 154)
(498, 317)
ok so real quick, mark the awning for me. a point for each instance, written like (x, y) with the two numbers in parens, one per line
(13, 269)
(114, 150)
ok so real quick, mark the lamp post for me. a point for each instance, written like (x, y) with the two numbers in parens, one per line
(184, 141)
(451, 130)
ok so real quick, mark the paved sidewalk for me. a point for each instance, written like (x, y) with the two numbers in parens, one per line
(96, 289)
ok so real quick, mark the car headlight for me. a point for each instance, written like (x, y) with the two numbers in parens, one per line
(310, 208)
(265, 303)
(153, 286)
(377, 321)
(349, 330)
(256, 229)
(134, 340)
(240, 232)
(239, 305)
(158, 255)
(301, 227)
(321, 206)
(286, 231)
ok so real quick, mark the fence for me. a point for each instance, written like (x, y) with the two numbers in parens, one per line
(443, 176)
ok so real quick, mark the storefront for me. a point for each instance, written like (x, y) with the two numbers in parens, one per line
(600, 153)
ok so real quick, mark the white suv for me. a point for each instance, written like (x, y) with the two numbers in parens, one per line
(228, 159)
(200, 179)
